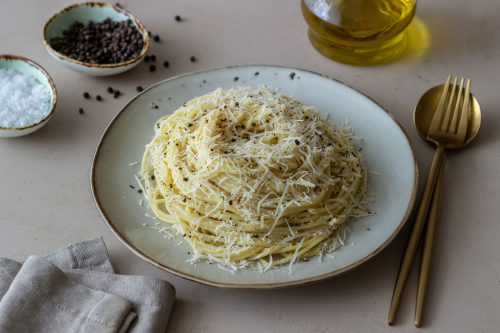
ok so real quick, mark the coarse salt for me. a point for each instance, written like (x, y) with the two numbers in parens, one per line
(23, 100)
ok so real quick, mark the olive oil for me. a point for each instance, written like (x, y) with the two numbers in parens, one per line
(359, 32)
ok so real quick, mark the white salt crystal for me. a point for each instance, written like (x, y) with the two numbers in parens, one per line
(23, 100)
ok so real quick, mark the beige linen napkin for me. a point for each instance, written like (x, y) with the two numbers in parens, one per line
(74, 290)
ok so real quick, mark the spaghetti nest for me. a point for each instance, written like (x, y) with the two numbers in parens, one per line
(252, 177)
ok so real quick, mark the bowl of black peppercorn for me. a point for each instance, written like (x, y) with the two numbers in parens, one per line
(96, 38)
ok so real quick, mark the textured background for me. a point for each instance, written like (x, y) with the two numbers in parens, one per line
(45, 198)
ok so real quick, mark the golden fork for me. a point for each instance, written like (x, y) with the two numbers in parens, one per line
(448, 128)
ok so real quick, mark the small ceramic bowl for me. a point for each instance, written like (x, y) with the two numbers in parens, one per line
(27, 66)
(97, 12)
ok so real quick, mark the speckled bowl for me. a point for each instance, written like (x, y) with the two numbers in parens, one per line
(30, 67)
(97, 12)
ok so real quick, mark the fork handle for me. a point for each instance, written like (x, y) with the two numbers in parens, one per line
(416, 232)
(430, 233)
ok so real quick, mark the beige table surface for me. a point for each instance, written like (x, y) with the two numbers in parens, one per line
(46, 202)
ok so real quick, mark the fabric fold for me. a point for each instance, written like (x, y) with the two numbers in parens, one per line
(41, 297)
(74, 289)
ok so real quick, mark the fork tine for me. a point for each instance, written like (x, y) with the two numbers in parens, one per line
(458, 107)
(446, 121)
(464, 116)
(438, 115)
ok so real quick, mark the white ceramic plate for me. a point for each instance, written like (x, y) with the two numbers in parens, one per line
(386, 148)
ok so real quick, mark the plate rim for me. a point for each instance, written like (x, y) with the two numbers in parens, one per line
(252, 286)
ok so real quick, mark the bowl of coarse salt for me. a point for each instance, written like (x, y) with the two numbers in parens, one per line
(27, 96)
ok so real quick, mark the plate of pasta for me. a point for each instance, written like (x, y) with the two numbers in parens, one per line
(254, 177)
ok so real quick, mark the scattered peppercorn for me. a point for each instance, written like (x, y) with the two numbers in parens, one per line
(80, 110)
(185, 179)
(166, 64)
(292, 75)
(146, 58)
(106, 42)
(297, 142)
(110, 90)
(132, 187)
(152, 68)
(256, 73)
(116, 94)
(86, 95)
(193, 59)
(231, 202)
(178, 18)
(139, 88)
(139, 191)
(236, 78)
(152, 58)
(156, 38)
(98, 97)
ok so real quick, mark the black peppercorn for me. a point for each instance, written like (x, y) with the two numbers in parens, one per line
(193, 59)
(106, 42)
(178, 18)
(166, 64)
(156, 38)
(110, 90)
(139, 88)
(86, 95)
(98, 97)
(80, 110)
(152, 58)
(116, 94)
(152, 68)
(146, 58)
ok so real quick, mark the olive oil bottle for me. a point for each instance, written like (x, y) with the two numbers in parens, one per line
(359, 32)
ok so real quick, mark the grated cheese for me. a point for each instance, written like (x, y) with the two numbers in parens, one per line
(248, 174)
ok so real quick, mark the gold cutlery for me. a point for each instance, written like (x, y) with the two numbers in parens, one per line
(449, 116)
(430, 233)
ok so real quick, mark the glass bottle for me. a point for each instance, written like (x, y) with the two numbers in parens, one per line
(359, 32)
